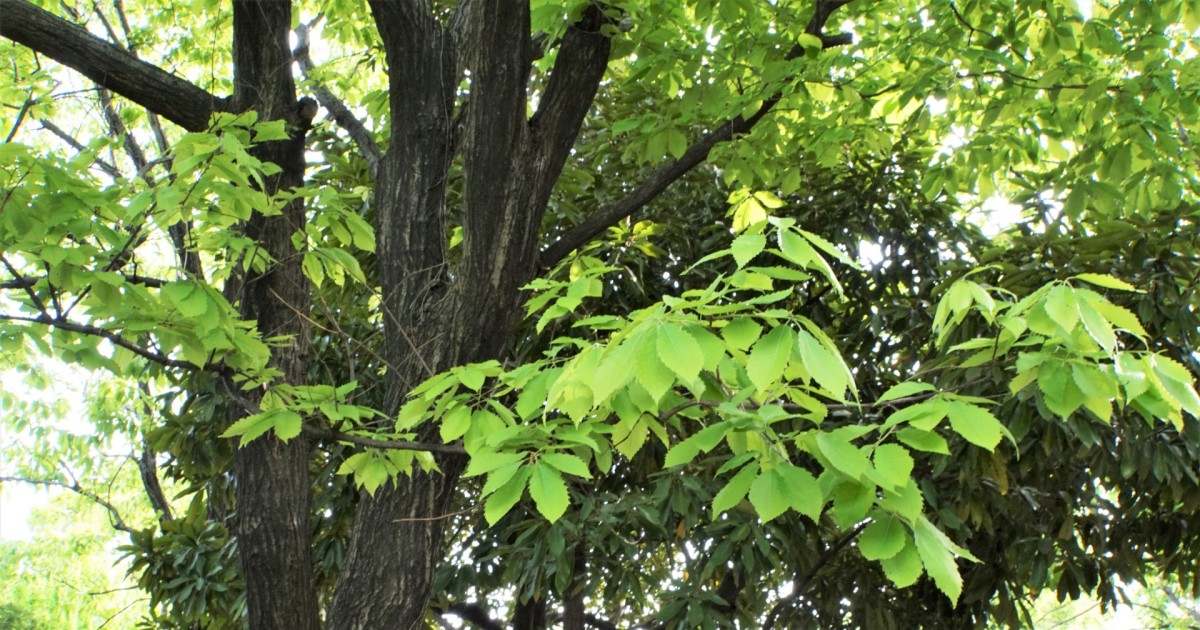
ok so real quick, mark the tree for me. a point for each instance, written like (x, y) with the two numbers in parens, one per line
(365, 315)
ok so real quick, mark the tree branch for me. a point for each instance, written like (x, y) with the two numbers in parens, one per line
(27, 282)
(338, 110)
(163, 93)
(582, 60)
(801, 584)
(95, 331)
(671, 170)
(114, 516)
(395, 445)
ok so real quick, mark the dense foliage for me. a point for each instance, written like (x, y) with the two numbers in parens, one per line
(615, 314)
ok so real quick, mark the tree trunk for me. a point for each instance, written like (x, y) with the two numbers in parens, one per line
(273, 488)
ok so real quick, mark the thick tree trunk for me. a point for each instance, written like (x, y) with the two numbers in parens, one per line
(273, 487)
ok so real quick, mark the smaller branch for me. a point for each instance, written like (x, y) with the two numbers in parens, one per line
(95, 331)
(338, 110)
(114, 515)
(27, 282)
(108, 169)
(20, 118)
(670, 171)
(802, 584)
(396, 445)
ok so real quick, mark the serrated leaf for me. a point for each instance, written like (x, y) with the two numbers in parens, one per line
(1106, 281)
(455, 423)
(937, 554)
(549, 492)
(741, 333)
(1097, 326)
(803, 489)
(769, 495)
(567, 463)
(287, 424)
(927, 441)
(1060, 304)
(487, 461)
(735, 490)
(842, 455)
(678, 350)
(250, 427)
(893, 463)
(652, 373)
(505, 497)
(975, 424)
(904, 568)
(769, 358)
(904, 390)
(371, 475)
(883, 539)
(702, 441)
(825, 366)
(746, 247)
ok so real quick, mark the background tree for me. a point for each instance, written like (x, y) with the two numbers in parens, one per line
(298, 307)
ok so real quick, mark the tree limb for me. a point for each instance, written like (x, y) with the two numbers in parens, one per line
(163, 93)
(801, 584)
(395, 445)
(338, 110)
(95, 331)
(114, 515)
(671, 170)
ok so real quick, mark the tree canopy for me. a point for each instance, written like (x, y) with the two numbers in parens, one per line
(613, 314)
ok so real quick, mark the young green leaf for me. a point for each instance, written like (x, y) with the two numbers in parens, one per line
(770, 357)
(735, 490)
(549, 492)
(883, 538)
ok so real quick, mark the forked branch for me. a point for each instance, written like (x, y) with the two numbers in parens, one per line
(110, 66)
(673, 169)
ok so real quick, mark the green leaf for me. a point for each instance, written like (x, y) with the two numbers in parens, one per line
(651, 372)
(746, 247)
(549, 492)
(678, 350)
(1061, 306)
(770, 357)
(702, 441)
(851, 501)
(1106, 281)
(884, 538)
(504, 498)
(904, 390)
(810, 42)
(975, 424)
(904, 568)
(741, 333)
(769, 495)
(287, 424)
(894, 463)
(567, 463)
(825, 366)
(802, 487)
(455, 423)
(487, 461)
(937, 554)
(927, 441)
(735, 490)
(250, 427)
(842, 455)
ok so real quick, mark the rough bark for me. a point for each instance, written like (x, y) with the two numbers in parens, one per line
(273, 486)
